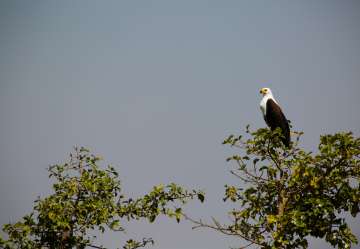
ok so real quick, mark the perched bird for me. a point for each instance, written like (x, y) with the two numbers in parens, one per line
(273, 115)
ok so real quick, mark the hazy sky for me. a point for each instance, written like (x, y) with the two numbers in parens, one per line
(154, 87)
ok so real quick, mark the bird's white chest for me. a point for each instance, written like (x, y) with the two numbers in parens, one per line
(264, 101)
(263, 104)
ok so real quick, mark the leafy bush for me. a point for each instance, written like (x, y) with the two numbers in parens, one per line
(86, 198)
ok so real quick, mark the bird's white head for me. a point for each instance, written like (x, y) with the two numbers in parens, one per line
(265, 91)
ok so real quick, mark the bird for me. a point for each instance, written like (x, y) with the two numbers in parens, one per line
(273, 115)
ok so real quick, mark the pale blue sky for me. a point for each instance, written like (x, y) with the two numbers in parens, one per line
(154, 87)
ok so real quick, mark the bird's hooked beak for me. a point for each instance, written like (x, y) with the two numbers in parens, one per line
(262, 91)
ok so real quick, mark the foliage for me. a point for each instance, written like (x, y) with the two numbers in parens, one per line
(87, 198)
(288, 195)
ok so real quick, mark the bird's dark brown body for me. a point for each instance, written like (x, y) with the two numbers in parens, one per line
(274, 118)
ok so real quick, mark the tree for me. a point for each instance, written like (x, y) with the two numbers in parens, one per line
(288, 195)
(87, 197)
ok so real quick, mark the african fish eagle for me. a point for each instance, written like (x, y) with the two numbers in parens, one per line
(273, 115)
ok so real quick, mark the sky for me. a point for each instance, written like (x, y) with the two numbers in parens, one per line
(155, 86)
